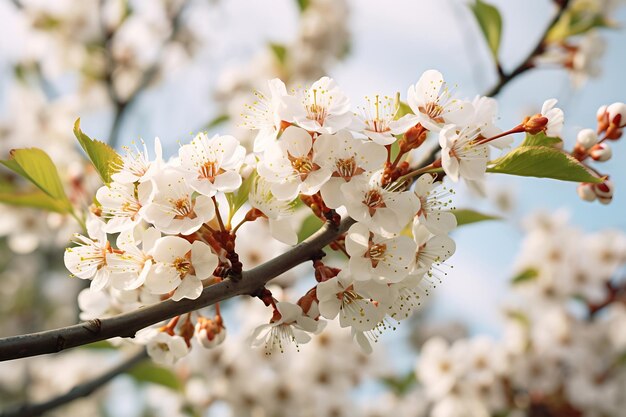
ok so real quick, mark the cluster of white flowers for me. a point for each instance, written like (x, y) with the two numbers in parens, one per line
(563, 345)
(322, 40)
(250, 383)
(174, 217)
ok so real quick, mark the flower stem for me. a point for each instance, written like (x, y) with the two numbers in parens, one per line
(218, 215)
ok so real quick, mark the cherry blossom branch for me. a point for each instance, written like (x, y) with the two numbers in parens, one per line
(615, 293)
(79, 391)
(505, 78)
(127, 324)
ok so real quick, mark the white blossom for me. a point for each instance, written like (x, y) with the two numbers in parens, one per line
(383, 211)
(374, 257)
(136, 165)
(288, 165)
(462, 155)
(378, 121)
(174, 209)
(290, 325)
(434, 105)
(321, 108)
(211, 165)
(180, 266)
(347, 158)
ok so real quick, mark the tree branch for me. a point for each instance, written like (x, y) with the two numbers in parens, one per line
(79, 391)
(527, 64)
(127, 324)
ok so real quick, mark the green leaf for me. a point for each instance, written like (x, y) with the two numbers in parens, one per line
(280, 52)
(303, 4)
(468, 216)
(403, 109)
(490, 23)
(238, 198)
(543, 162)
(400, 385)
(222, 118)
(102, 156)
(525, 276)
(35, 199)
(576, 21)
(151, 373)
(310, 225)
(36, 166)
(540, 139)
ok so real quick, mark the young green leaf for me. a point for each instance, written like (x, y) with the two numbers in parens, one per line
(149, 372)
(303, 4)
(35, 199)
(36, 166)
(280, 52)
(540, 139)
(490, 23)
(576, 21)
(543, 162)
(222, 118)
(102, 156)
(525, 276)
(400, 384)
(238, 198)
(468, 216)
(403, 109)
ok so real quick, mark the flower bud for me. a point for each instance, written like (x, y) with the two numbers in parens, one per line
(535, 124)
(210, 333)
(604, 191)
(413, 138)
(586, 138)
(617, 114)
(603, 118)
(585, 192)
(601, 152)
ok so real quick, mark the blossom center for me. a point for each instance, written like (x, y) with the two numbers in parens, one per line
(183, 266)
(374, 200)
(317, 111)
(209, 170)
(131, 207)
(346, 168)
(302, 165)
(433, 110)
(376, 252)
(183, 207)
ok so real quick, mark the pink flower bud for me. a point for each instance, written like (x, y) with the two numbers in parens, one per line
(586, 138)
(601, 152)
(585, 192)
(617, 114)
(601, 112)
(604, 191)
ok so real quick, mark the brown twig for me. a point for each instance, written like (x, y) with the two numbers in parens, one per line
(127, 324)
(79, 391)
(504, 77)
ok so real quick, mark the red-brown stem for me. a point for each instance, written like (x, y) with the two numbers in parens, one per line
(516, 129)
(218, 215)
